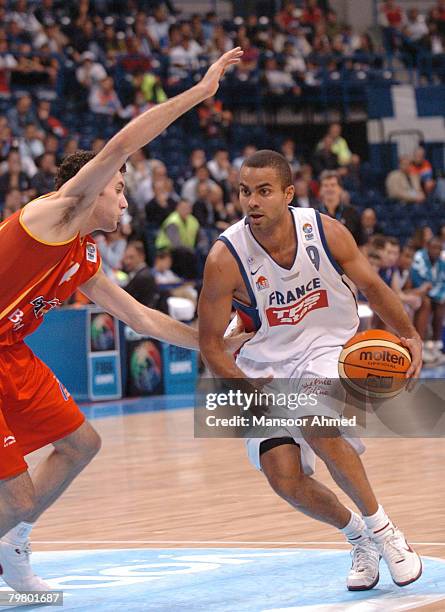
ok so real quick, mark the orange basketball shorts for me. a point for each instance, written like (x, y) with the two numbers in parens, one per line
(35, 408)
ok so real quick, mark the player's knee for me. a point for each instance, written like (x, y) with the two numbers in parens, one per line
(80, 447)
(92, 445)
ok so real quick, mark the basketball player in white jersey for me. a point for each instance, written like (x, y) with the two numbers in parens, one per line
(282, 269)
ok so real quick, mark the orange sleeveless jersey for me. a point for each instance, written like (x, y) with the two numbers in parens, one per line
(36, 276)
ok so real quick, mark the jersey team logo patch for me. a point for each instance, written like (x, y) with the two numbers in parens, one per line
(291, 315)
(308, 231)
(91, 252)
(262, 283)
(42, 306)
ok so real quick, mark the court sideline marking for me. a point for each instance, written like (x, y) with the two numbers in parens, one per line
(300, 543)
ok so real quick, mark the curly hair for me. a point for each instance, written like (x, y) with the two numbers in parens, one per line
(71, 165)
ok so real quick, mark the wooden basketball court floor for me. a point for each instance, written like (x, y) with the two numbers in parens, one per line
(155, 490)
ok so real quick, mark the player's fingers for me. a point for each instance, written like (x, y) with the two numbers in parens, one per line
(235, 53)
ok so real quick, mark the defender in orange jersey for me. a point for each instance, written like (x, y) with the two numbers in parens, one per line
(46, 253)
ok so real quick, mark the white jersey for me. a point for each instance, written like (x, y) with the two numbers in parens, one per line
(301, 313)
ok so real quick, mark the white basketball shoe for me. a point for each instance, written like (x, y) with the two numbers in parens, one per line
(364, 572)
(16, 570)
(403, 562)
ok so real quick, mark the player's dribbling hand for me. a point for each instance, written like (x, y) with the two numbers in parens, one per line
(235, 340)
(210, 80)
(414, 345)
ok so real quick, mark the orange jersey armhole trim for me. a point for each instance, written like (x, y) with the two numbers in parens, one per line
(22, 223)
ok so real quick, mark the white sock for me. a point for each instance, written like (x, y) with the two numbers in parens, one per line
(378, 524)
(355, 530)
(18, 534)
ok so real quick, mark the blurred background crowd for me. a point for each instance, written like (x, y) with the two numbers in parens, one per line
(72, 74)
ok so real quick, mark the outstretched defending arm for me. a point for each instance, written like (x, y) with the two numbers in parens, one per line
(147, 321)
(66, 210)
(94, 176)
(382, 299)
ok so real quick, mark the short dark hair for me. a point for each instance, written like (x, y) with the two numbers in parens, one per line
(378, 241)
(393, 240)
(71, 165)
(138, 246)
(329, 174)
(266, 158)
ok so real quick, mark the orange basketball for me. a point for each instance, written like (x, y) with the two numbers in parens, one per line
(374, 363)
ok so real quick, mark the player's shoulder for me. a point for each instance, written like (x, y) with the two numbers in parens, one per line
(233, 230)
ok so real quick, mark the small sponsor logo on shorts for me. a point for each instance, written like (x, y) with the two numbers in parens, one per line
(8, 440)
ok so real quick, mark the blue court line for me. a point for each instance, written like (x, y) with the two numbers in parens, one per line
(224, 580)
(136, 405)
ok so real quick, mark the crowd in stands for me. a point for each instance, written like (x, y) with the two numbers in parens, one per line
(71, 74)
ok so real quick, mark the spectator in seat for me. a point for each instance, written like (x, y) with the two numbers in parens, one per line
(104, 100)
(287, 149)
(331, 203)
(43, 181)
(13, 176)
(414, 32)
(422, 168)
(303, 198)
(190, 188)
(48, 122)
(404, 186)
(324, 158)
(391, 18)
(31, 145)
(112, 247)
(401, 283)
(214, 120)
(139, 179)
(90, 73)
(20, 115)
(248, 150)
(13, 203)
(339, 145)
(422, 235)
(390, 256)
(219, 166)
(202, 209)
(369, 226)
(180, 234)
(141, 283)
(278, 81)
(165, 278)
(160, 206)
(429, 267)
